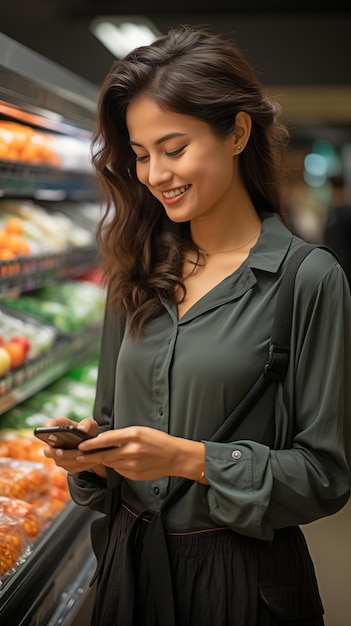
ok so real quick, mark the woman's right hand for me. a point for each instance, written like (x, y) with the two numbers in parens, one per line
(68, 458)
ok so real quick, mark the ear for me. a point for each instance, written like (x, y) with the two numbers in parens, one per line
(241, 133)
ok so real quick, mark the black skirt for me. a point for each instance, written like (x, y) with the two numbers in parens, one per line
(218, 577)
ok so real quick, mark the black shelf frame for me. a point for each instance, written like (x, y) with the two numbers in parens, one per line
(23, 180)
(25, 274)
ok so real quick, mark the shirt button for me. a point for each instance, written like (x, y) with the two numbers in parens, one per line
(156, 491)
(160, 410)
(236, 455)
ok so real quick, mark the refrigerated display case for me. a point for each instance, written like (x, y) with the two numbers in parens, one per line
(50, 585)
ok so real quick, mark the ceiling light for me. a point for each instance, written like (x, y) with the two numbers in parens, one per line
(120, 35)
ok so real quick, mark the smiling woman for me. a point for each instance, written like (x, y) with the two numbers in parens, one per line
(190, 156)
(193, 173)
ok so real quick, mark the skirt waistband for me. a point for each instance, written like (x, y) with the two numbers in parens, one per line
(185, 533)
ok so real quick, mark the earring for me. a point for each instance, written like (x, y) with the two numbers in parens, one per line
(240, 147)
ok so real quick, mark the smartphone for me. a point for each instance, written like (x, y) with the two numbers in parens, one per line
(66, 437)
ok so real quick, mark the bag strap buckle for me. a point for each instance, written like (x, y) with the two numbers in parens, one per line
(277, 362)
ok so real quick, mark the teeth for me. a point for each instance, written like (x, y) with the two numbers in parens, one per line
(175, 192)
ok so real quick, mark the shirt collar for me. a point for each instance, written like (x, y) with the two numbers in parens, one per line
(272, 245)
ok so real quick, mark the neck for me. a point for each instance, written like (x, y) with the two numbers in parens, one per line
(227, 227)
(225, 251)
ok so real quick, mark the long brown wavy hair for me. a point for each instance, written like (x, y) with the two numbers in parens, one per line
(192, 72)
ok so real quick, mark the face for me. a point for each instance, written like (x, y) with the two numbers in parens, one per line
(185, 166)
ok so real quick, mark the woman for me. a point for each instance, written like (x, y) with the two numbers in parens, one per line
(188, 151)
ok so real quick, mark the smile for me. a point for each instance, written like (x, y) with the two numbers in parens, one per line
(175, 192)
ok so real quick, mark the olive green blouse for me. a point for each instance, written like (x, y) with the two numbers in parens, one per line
(288, 463)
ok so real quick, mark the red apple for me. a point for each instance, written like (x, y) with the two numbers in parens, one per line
(5, 361)
(21, 339)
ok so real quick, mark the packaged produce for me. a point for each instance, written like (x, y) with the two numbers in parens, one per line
(25, 448)
(31, 492)
(14, 546)
(47, 508)
(22, 479)
(24, 513)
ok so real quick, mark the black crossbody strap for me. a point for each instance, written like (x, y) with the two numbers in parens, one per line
(279, 346)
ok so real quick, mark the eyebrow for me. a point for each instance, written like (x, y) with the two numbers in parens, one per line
(159, 141)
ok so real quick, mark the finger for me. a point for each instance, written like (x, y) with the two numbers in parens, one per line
(60, 421)
(88, 425)
(48, 452)
(117, 438)
(102, 441)
(67, 459)
(101, 456)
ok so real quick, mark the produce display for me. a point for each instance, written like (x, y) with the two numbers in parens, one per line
(32, 489)
(48, 218)
(14, 545)
(71, 395)
(24, 144)
(70, 306)
(24, 513)
(12, 241)
(21, 339)
(31, 495)
(29, 229)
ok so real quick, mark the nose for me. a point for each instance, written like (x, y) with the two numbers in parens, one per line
(159, 172)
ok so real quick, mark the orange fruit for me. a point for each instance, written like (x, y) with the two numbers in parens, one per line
(17, 244)
(6, 254)
(3, 237)
(14, 225)
(16, 352)
(14, 242)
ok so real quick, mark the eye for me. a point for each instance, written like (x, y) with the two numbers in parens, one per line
(175, 153)
(141, 159)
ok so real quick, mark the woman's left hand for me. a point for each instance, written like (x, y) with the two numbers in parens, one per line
(142, 453)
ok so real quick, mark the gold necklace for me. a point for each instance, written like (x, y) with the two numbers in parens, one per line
(204, 253)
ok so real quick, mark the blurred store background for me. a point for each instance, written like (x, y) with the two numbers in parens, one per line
(301, 51)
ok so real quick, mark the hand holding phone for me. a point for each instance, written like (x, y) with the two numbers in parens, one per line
(65, 437)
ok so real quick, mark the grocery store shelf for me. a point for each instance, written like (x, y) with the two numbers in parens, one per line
(26, 179)
(76, 602)
(55, 564)
(35, 271)
(42, 87)
(50, 584)
(38, 373)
